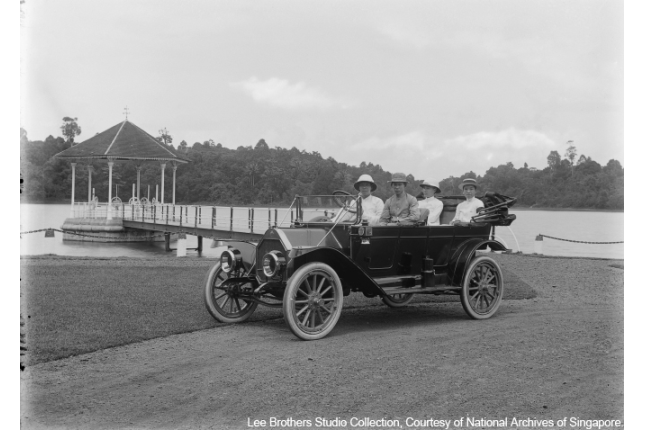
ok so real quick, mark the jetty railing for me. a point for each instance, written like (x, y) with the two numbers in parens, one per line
(243, 219)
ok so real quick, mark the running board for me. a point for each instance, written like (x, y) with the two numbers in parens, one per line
(398, 281)
(419, 290)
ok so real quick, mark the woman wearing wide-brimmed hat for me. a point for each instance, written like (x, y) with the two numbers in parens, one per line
(466, 210)
(401, 208)
(434, 206)
(372, 206)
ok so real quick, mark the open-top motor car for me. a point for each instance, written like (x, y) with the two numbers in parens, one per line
(307, 268)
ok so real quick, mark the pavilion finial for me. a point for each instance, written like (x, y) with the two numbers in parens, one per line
(126, 111)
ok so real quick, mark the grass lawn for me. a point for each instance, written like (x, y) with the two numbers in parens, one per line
(74, 306)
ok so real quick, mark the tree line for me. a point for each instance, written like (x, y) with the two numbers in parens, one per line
(260, 175)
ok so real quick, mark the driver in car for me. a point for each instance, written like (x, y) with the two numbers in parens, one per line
(372, 206)
(401, 208)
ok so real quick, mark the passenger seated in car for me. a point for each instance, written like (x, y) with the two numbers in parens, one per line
(401, 208)
(466, 210)
(433, 205)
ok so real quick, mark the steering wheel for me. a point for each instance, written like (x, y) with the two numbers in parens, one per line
(340, 198)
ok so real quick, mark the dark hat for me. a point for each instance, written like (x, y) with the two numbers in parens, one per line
(399, 177)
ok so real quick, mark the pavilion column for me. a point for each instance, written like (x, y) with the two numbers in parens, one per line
(109, 207)
(139, 183)
(163, 171)
(90, 169)
(73, 187)
(174, 173)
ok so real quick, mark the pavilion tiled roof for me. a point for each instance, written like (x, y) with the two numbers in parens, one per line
(124, 141)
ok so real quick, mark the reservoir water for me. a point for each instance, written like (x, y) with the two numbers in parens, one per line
(587, 226)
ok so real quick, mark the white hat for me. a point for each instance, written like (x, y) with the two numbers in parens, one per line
(430, 183)
(468, 181)
(365, 178)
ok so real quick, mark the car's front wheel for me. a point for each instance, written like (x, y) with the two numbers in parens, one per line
(222, 299)
(312, 301)
(483, 288)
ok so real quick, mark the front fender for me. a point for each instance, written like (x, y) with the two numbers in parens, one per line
(350, 274)
(464, 254)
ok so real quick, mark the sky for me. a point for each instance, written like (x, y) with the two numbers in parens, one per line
(428, 88)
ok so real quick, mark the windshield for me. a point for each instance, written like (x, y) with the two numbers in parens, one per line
(327, 208)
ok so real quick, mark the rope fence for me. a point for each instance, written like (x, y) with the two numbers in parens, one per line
(539, 236)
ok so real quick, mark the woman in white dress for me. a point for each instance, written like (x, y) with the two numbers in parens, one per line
(434, 205)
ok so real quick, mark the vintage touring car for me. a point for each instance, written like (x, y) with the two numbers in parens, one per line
(308, 267)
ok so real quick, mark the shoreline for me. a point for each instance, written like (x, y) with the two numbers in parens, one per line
(173, 257)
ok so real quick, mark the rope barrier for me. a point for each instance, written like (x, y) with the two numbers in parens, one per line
(576, 241)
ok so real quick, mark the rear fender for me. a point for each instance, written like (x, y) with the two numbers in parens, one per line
(463, 256)
(351, 275)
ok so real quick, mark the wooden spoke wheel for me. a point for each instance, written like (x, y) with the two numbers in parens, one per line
(483, 288)
(312, 301)
(397, 300)
(223, 300)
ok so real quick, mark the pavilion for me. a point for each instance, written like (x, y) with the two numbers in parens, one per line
(123, 142)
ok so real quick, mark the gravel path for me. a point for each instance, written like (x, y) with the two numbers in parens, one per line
(558, 355)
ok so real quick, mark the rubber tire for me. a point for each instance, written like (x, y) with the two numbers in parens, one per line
(464, 295)
(216, 312)
(288, 305)
(397, 303)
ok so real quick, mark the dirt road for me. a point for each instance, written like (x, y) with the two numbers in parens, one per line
(559, 355)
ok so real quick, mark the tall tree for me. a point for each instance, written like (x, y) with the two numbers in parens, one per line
(164, 137)
(571, 154)
(553, 160)
(70, 129)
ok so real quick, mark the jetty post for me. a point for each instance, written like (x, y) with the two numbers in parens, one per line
(539, 240)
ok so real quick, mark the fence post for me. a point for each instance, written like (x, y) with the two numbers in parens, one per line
(143, 213)
(269, 212)
(154, 214)
(200, 214)
(195, 216)
(539, 240)
(181, 214)
(252, 216)
(213, 215)
(276, 217)
(231, 218)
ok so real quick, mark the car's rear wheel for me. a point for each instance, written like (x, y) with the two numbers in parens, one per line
(397, 300)
(312, 301)
(223, 301)
(483, 288)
